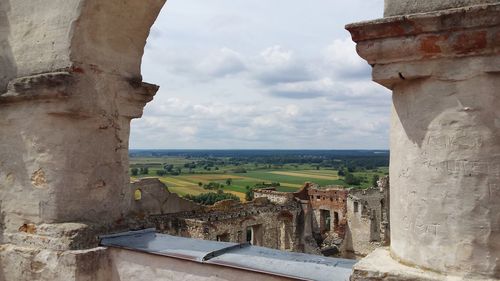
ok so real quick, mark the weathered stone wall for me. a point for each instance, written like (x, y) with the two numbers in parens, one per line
(273, 226)
(356, 233)
(20, 263)
(274, 196)
(405, 7)
(69, 85)
(367, 221)
(155, 199)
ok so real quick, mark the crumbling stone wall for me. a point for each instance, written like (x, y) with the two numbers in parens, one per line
(367, 221)
(268, 224)
(351, 232)
(151, 197)
(274, 196)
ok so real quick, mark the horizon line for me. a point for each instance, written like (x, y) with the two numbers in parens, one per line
(222, 149)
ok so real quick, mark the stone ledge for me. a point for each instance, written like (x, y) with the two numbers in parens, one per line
(380, 266)
(41, 86)
(402, 7)
(408, 25)
(26, 263)
(58, 237)
(471, 31)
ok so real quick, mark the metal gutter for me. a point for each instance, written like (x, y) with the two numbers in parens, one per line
(295, 266)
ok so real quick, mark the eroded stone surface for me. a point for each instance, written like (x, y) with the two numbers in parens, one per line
(443, 68)
(404, 7)
(367, 220)
(27, 264)
(70, 83)
(380, 266)
(157, 200)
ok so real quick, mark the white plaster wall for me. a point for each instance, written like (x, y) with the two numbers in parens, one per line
(133, 266)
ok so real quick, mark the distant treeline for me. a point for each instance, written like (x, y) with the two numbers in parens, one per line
(368, 159)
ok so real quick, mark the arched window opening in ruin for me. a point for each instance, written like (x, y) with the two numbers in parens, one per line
(137, 194)
(225, 237)
(356, 207)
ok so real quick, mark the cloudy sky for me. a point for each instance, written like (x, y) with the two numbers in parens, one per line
(261, 74)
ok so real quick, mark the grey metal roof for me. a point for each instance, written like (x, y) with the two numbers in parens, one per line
(241, 256)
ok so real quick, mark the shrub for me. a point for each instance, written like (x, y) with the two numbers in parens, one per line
(211, 197)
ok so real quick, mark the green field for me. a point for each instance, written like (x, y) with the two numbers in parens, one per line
(290, 177)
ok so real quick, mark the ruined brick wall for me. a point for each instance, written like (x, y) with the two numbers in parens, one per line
(329, 202)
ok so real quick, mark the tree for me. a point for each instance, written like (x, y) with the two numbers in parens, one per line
(341, 172)
(239, 170)
(213, 186)
(168, 168)
(161, 173)
(229, 181)
(200, 184)
(144, 170)
(134, 171)
(249, 196)
(375, 180)
(350, 179)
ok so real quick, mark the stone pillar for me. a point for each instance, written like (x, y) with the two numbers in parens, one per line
(70, 83)
(443, 65)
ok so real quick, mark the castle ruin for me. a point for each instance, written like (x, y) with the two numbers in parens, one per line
(70, 83)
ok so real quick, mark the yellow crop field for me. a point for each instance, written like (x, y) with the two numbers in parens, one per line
(184, 190)
(291, 185)
(211, 177)
(319, 172)
(169, 181)
(305, 175)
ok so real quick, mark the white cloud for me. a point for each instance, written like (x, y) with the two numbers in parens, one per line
(342, 58)
(304, 89)
(240, 75)
(276, 65)
(221, 63)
